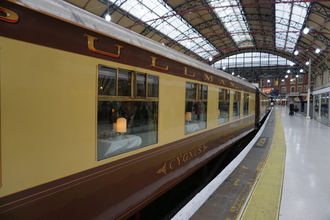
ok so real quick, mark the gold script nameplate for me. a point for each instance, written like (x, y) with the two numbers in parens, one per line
(182, 159)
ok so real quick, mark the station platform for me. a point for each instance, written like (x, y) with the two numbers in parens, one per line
(283, 174)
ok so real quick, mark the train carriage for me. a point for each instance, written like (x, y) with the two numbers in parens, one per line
(97, 121)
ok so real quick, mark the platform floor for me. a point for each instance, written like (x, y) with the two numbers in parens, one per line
(306, 185)
(291, 181)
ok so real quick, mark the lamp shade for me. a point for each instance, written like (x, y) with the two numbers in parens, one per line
(188, 116)
(121, 125)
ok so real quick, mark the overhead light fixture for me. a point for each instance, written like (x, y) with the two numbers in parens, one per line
(317, 50)
(288, 71)
(297, 76)
(282, 80)
(223, 67)
(210, 58)
(296, 52)
(301, 70)
(108, 17)
(232, 73)
(286, 76)
(307, 63)
(291, 64)
(306, 30)
(268, 80)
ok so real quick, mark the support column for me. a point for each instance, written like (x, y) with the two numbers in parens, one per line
(320, 107)
(309, 89)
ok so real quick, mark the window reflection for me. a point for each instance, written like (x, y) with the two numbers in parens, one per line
(321, 112)
(124, 83)
(107, 81)
(236, 105)
(141, 126)
(191, 90)
(246, 104)
(152, 86)
(223, 106)
(195, 107)
(141, 85)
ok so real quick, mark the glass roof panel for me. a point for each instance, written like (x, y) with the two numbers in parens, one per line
(149, 11)
(252, 59)
(223, 8)
(295, 14)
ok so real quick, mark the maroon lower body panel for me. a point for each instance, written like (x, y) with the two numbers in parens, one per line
(119, 189)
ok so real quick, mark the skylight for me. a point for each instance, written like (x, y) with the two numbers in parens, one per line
(237, 29)
(252, 59)
(287, 33)
(149, 11)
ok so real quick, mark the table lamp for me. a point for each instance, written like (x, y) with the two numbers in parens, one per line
(188, 117)
(121, 127)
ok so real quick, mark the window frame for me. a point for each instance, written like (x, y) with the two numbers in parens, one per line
(292, 89)
(201, 95)
(132, 97)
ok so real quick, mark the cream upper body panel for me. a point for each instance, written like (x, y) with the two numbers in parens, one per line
(66, 11)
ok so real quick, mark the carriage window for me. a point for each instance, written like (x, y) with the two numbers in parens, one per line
(202, 92)
(196, 105)
(152, 86)
(107, 81)
(124, 83)
(191, 90)
(246, 104)
(223, 106)
(126, 125)
(141, 85)
(236, 105)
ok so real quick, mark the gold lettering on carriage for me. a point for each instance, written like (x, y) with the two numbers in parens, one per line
(182, 159)
(153, 64)
(10, 17)
(186, 72)
(91, 47)
(208, 78)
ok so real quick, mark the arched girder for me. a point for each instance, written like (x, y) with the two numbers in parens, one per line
(273, 9)
(221, 41)
(304, 24)
(113, 6)
(220, 24)
(149, 29)
(282, 36)
(250, 17)
(193, 4)
(320, 9)
(183, 35)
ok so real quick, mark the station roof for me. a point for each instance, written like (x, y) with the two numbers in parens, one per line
(254, 39)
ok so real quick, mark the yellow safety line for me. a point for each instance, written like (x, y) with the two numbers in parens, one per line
(264, 203)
